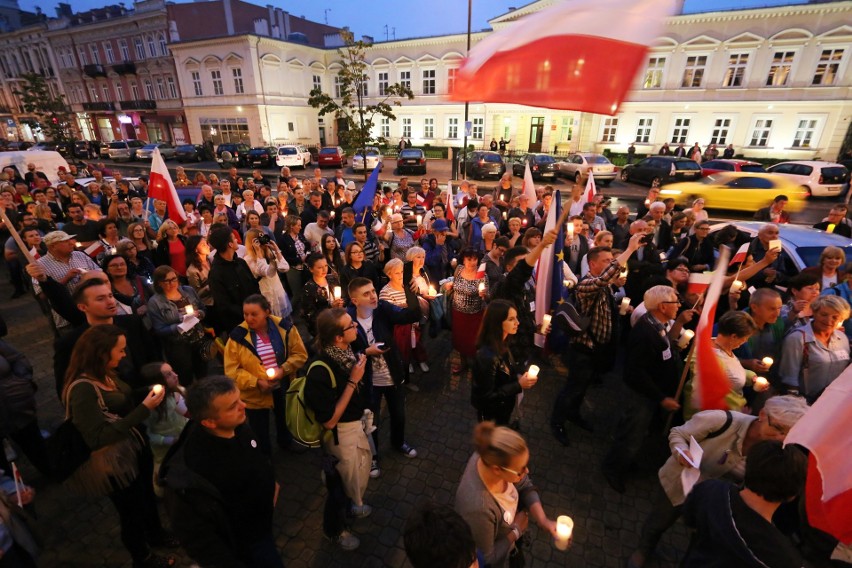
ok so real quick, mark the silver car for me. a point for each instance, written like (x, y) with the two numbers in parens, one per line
(577, 166)
(124, 150)
(146, 152)
(374, 159)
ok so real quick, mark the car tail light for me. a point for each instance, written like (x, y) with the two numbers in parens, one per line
(535, 167)
(481, 162)
(674, 170)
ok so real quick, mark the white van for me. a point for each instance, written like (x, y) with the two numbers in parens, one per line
(45, 161)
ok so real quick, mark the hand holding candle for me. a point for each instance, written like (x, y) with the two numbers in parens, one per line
(530, 378)
(158, 388)
(338, 291)
(625, 305)
(481, 287)
(685, 338)
(189, 309)
(768, 361)
(760, 384)
(545, 323)
(737, 286)
(564, 531)
(270, 372)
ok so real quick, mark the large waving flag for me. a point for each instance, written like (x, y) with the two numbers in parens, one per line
(824, 430)
(451, 206)
(710, 381)
(699, 282)
(591, 190)
(364, 202)
(529, 186)
(569, 56)
(160, 186)
(548, 290)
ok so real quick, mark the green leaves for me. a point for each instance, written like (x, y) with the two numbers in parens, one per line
(53, 118)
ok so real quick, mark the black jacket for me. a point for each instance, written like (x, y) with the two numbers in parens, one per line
(495, 385)
(652, 368)
(287, 244)
(230, 282)
(161, 253)
(385, 317)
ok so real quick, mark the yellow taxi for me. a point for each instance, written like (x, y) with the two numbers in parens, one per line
(740, 191)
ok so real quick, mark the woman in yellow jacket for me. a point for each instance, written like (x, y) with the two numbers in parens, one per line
(262, 355)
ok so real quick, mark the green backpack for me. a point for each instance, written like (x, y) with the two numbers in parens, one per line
(300, 419)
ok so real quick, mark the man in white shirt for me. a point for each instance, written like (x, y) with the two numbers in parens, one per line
(314, 232)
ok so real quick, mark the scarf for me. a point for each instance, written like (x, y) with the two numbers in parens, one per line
(343, 357)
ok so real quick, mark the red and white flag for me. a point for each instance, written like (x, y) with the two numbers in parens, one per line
(420, 199)
(94, 249)
(480, 272)
(451, 206)
(591, 190)
(699, 282)
(824, 430)
(529, 186)
(160, 186)
(740, 255)
(569, 56)
(710, 382)
(34, 253)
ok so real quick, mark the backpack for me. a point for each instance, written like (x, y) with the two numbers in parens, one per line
(299, 418)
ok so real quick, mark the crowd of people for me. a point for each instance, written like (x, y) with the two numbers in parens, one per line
(177, 342)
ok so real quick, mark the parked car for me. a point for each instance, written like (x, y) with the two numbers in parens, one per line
(229, 154)
(481, 163)
(411, 160)
(374, 159)
(86, 150)
(18, 146)
(660, 170)
(332, 156)
(125, 150)
(262, 156)
(44, 146)
(741, 191)
(293, 156)
(576, 166)
(800, 246)
(724, 165)
(189, 153)
(819, 179)
(146, 152)
(542, 166)
(104, 151)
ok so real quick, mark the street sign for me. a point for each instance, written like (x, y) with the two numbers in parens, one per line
(468, 128)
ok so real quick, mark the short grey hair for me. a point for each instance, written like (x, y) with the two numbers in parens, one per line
(831, 302)
(657, 295)
(414, 251)
(202, 393)
(392, 264)
(657, 205)
(785, 410)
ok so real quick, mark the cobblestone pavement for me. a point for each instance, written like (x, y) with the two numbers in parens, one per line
(85, 533)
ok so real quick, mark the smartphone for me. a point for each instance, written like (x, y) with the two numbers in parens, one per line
(380, 345)
(647, 239)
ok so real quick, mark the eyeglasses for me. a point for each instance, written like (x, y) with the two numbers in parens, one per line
(352, 325)
(678, 302)
(521, 473)
(169, 280)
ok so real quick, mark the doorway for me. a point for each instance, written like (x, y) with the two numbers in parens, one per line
(536, 133)
(322, 136)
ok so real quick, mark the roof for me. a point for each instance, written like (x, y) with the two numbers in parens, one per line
(799, 236)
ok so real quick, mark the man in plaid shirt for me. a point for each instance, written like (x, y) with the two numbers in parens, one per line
(595, 348)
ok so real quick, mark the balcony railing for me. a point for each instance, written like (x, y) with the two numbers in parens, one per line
(138, 105)
(99, 106)
(94, 70)
(125, 68)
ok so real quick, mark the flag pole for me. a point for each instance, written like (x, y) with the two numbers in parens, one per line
(680, 384)
(16, 236)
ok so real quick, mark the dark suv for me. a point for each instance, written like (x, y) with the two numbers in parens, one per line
(481, 163)
(542, 166)
(658, 170)
(237, 155)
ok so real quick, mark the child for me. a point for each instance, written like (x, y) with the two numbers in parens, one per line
(167, 421)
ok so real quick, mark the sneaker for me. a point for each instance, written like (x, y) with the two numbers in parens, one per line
(424, 367)
(410, 369)
(412, 387)
(408, 451)
(347, 541)
(361, 511)
(374, 469)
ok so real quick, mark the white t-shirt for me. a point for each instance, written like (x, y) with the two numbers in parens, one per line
(381, 373)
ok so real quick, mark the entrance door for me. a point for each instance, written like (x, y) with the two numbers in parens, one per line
(536, 133)
(322, 136)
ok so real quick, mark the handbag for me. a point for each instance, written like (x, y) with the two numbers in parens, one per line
(67, 450)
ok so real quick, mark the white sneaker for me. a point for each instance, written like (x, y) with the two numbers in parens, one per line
(374, 469)
(410, 369)
(347, 541)
(408, 451)
(361, 511)
(424, 367)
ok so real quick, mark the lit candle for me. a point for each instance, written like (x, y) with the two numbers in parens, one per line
(647, 202)
(767, 361)
(337, 292)
(454, 263)
(685, 338)
(564, 530)
(624, 272)
(113, 250)
(270, 372)
(760, 384)
(388, 210)
(432, 291)
(545, 322)
(78, 245)
(189, 310)
(502, 197)
(524, 222)
(569, 228)
(331, 214)
(157, 389)
(419, 220)
(625, 303)
(830, 228)
(533, 371)
(505, 215)
(568, 284)
(737, 286)
(481, 287)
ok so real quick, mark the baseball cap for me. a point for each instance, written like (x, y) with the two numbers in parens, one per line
(440, 225)
(350, 186)
(56, 237)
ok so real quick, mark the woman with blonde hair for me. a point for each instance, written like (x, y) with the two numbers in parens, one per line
(171, 247)
(265, 260)
(199, 179)
(828, 269)
(137, 234)
(496, 496)
(408, 337)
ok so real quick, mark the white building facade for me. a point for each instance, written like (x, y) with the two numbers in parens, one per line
(774, 82)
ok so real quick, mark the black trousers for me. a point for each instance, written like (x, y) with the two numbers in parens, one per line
(137, 510)
(258, 419)
(584, 366)
(395, 398)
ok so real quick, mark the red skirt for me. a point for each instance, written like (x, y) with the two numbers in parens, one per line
(465, 332)
(402, 337)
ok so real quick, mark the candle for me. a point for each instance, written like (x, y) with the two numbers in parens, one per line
(481, 287)
(564, 530)
(432, 291)
(568, 284)
(157, 389)
(737, 286)
(685, 338)
(524, 222)
(388, 210)
(419, 220)
(454, 263)
(625, 303)
(270, 372)
(569, 228)
(767, 361)
(830, 228)
(502, 197)
(337, 292)
(189, 310)
(113, 250)
(78, 245)
(545, 322)
(533, 371)
(647, 202)
(760, 384)
(505, 215)
(624, 272)
(331, 214)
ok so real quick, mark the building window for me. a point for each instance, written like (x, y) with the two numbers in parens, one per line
(478, 131)
(149, 90)
(693, 73)
(453, 127)
(385, 127)
(238, 81)
(829, 63)
(337, 87)
(105, 91)
(760, 133)
(217, 82)
(610, 129)
(196, 83)
(654, 73)
(428, 81)
(720, 131)
(164, 50)
(161, 87)
(172, 87)
(96, 59)
(643, 130)
(405, 79)
(119, 91)
(108, 52)
(566, 131)
(93, 93)
(428, 128)
(780, 68)
(406, 128)
(736, 70)
(451, 79)
(140, 48)
(317, 82)
(804, 133)
(364, 86)
(81, 53)
(152, 46)
(383, 84)
(125, 52)
(134, 91)
(680, 133)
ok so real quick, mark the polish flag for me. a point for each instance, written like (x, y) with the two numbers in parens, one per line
(529, 186)
(160, 186)
(451, 207)
(591, 190)
(741, 254)
(34, 253)
(824, 430)
(480, 272)
(710, 381)
(699, 282)
(420, 199)
(541, 61)
(95, 249)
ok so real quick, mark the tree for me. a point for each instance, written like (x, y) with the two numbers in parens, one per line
(351, 94)
(53, 118)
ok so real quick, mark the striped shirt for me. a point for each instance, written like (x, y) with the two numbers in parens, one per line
(266, 353)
